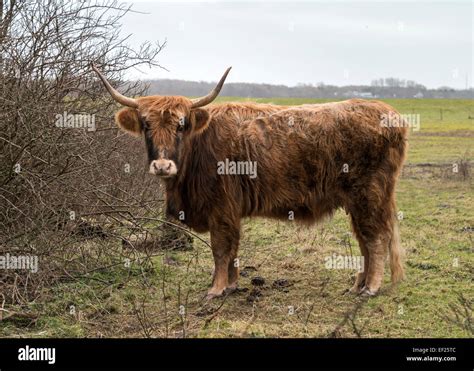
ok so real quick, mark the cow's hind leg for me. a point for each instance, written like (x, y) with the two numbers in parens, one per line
(384, 241)
(378, 248)
(373, 242)
(360, 276)
(372, 224)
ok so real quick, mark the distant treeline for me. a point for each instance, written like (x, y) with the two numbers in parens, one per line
(382, 88)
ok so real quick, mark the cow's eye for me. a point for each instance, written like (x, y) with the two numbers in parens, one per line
(180, 127)
(145, 125)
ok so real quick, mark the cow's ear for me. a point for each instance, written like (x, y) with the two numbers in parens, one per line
(127, 119)
(199, 120)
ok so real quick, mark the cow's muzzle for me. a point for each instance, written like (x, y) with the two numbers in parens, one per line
(163, 168)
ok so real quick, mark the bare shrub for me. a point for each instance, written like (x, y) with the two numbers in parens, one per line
(61, 186)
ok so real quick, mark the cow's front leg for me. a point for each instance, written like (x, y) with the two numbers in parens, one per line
(233, 269)
(224, 244)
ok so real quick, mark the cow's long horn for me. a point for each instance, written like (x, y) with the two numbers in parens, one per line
(122, 99)
(199, 102)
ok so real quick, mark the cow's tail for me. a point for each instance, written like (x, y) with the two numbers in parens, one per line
(396, 253)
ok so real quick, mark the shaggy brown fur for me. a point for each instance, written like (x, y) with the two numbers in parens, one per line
(311, 160)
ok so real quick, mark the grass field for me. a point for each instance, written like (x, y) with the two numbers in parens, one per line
(298, 296)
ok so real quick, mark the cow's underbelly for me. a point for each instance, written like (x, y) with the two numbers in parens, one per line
(309, 212)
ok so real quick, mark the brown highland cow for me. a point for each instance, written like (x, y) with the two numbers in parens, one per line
(225, 162)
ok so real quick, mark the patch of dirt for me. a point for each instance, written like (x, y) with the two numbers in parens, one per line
(423, 266)
(452, 133)
(169, 239)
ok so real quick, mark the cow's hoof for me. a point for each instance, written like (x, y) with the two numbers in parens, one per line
(365, 291)
(214, 293)
(230, 289)
(356, 289)
(211, 296)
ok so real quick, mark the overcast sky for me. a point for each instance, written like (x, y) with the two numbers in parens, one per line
(283, 42)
